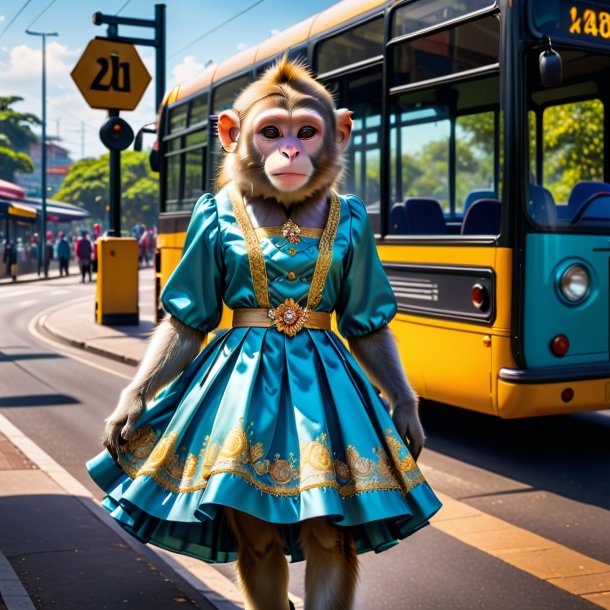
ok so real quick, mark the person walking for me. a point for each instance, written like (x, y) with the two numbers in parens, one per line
(48, 253)
(63, 254)
(83, 251)
(10, 259)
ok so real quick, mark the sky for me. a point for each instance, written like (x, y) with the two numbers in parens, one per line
(189, 48)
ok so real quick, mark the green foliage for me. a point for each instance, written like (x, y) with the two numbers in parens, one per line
(87, 185)
(11, 162)
(573, 146)
(15, 137)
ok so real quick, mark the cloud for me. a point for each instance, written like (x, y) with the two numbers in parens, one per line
(274, 32)
(25, 63)
(2, 18)
(242, 46)
(189, 68)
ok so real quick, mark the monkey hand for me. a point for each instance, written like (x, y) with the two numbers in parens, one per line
(406, 419)
(120, 426)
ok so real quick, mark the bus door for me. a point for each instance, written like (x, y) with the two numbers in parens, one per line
(565, 318)
(442, 246)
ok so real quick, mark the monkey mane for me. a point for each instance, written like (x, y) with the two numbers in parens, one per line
(286, 79)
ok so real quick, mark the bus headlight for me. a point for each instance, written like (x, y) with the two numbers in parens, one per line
(575, 283)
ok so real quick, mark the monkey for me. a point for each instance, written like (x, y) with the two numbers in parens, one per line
(284, 142)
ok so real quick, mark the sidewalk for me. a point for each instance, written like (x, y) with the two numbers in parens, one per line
(57, 546)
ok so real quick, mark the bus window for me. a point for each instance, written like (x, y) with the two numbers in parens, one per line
(465, 47)
(419, 139)
(353, 46)
(444, 155)
(199, 110)
(475, 153)
(177, 118)
(421, 15)
(573, 150)
(569, 144)
(361, 93)
(185, 155)
(224, 95)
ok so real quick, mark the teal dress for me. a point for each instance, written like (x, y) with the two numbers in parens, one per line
(285, 428)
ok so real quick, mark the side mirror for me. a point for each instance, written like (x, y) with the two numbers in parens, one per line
(549, 64)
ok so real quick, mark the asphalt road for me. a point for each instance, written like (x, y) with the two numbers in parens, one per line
(548, 476)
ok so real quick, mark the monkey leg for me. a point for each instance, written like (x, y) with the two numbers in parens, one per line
(332, 565)
(261, 564)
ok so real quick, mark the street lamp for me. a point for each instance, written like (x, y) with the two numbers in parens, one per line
(43, 150)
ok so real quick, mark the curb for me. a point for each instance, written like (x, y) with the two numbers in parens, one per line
(13, 595)
(42, 322)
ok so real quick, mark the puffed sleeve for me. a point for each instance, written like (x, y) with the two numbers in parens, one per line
(366, 301)
(194, 291)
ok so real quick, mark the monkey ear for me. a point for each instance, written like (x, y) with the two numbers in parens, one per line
(228, 130)
(344, 126)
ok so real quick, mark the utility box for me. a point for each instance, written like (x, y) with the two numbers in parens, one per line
(116, 301)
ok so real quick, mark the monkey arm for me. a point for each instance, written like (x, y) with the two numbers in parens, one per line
(172, 347)
(378, 356)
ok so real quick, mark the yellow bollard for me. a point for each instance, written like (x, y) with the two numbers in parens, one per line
(116, 301)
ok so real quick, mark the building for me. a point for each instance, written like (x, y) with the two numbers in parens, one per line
(58, 166)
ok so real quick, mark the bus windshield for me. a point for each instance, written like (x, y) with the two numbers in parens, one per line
(567, 133)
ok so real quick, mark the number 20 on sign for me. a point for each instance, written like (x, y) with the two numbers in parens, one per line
(111, 75)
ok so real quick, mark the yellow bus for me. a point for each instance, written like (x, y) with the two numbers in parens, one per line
(479, 148)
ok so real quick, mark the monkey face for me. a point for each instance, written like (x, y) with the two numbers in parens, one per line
(289, 143)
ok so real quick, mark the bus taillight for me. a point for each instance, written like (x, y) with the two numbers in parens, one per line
(480, 297)
(560, 345)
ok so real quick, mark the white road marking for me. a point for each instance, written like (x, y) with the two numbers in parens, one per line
(28, 302)
(13, 293)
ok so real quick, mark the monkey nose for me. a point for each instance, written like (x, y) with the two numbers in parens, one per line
(290, 153)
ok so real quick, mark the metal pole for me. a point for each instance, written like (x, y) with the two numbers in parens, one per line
(43, 150)
(115, 188)
(160, 54)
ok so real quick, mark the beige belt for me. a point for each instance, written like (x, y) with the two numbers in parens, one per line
(288, 318)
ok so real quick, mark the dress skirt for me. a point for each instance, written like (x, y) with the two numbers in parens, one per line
(283, 428)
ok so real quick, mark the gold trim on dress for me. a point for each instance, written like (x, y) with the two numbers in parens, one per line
(236, 454)
(256, 258)
(325, 254)
(276, 231)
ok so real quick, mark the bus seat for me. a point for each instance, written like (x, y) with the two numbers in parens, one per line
(483, 217)
(475, 194)
(424, 216)
(541, 205)
(580, 193)
(398, 219)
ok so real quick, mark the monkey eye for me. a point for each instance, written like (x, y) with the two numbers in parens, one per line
(270, 132)
(306, 132)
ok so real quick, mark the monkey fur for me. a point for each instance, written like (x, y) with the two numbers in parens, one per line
(284, 165)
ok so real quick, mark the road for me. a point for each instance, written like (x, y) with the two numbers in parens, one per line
(543, 476)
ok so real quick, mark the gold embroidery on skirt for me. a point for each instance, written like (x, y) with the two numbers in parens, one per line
(185, 472)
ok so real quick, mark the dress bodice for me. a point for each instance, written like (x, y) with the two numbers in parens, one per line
(217, 265)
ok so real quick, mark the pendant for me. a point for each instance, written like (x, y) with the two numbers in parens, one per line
(289, 317)
(291, 231)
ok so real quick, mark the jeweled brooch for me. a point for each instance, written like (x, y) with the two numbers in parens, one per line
(289, 317)
(291, 231)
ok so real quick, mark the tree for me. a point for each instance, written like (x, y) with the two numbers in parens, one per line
(87, 185)
(11, 161)
(15, 138)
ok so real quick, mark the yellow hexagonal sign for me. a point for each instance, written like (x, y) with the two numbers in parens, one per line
(111, 75)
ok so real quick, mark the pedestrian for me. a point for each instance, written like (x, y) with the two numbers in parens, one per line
(63, 254)
(10, 259)
(48, 252)
(83, 251)
(97, 232)
(144, 245)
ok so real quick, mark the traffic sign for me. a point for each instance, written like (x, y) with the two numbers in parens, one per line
(111, 75)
